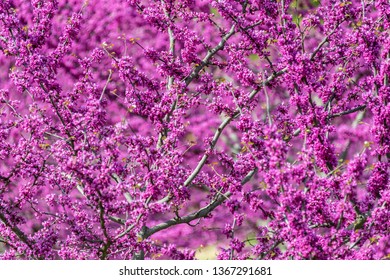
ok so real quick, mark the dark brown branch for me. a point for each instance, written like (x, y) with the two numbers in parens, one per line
(353, 110)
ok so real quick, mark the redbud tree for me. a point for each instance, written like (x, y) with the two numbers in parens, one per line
(151, 129)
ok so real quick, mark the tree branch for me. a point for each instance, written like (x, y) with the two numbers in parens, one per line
(324, 41)
(20, 234)
(353, 110)
(225, 123)
(209, 55)
(201, 213)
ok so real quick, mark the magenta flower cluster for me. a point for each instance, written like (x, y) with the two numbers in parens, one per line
(152, 129)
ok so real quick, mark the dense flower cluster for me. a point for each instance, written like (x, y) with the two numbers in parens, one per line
(152, 129)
